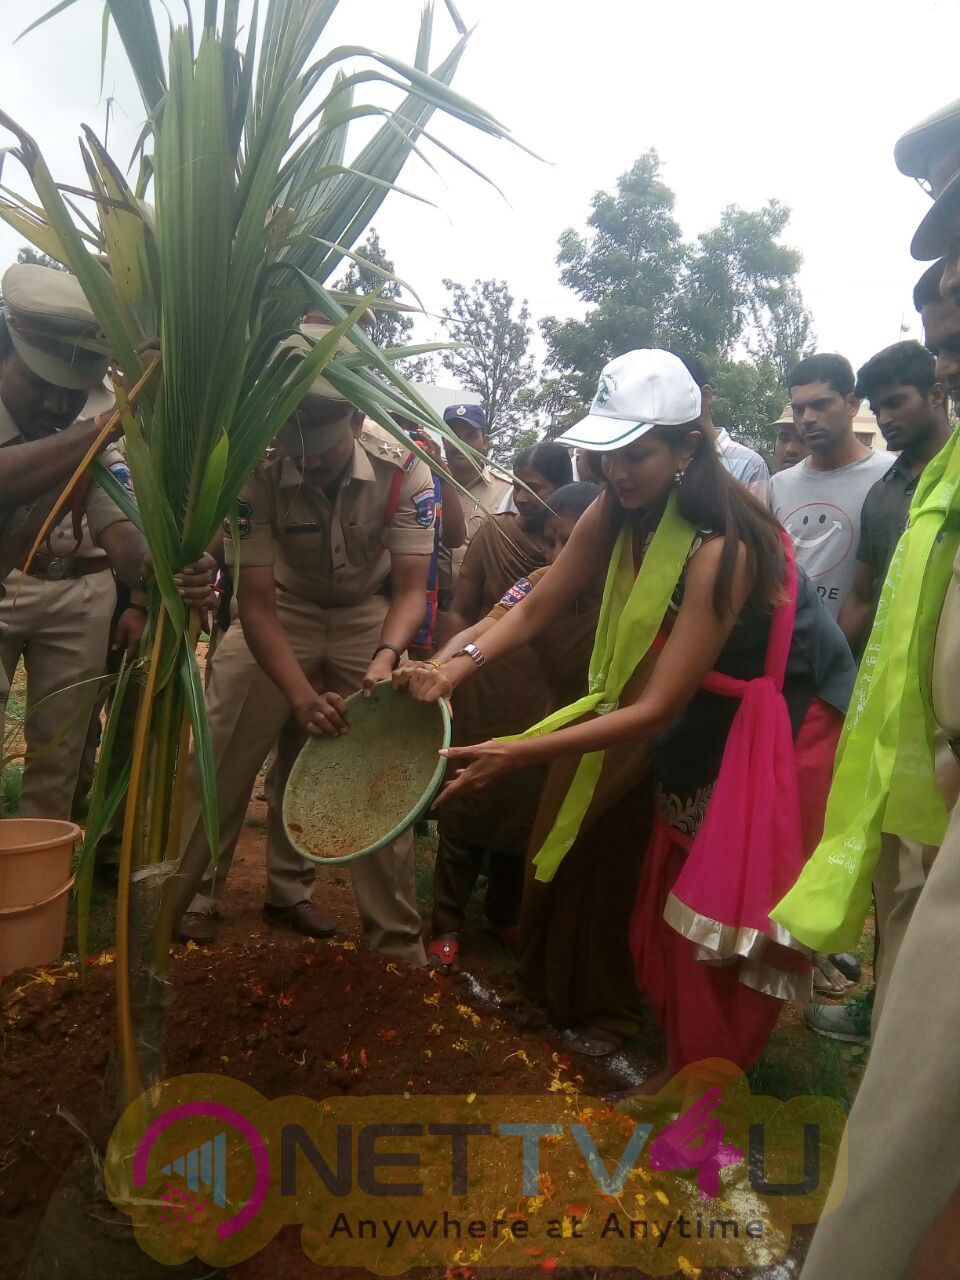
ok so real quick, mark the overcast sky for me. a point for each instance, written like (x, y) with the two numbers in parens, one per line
(745, 101)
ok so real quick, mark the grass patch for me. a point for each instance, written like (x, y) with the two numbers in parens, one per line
(821, 1069)
(11, 781)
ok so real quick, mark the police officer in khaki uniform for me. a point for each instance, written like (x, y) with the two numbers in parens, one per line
(902, 1147)
(486, 488)
(334, 538)
(57, 614)
(57, 618)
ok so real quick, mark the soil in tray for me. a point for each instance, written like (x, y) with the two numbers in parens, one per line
(360, 813)
(348, 793)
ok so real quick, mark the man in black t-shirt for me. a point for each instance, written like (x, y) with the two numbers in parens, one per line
(911, 411)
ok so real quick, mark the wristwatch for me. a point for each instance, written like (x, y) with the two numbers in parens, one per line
(473, 653)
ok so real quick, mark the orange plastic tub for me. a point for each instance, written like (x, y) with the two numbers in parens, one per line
(36, 875)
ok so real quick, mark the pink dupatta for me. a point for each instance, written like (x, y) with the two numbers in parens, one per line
(749, 849)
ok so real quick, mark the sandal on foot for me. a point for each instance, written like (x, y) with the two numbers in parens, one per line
(589, 1045)
(648, 1088)
(827, 978)
(442, 953)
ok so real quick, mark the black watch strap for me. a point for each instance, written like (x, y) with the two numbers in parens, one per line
(397, 653)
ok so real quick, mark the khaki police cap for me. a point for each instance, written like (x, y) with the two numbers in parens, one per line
(48, 318)
(298, 434)
(301, 343)
(941, 226)
(931, 146)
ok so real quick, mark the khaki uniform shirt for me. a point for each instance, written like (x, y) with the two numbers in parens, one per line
(19, 527)
(486, 494)
(335, 553)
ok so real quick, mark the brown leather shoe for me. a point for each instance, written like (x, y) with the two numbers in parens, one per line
(308, 918)
(196, 927)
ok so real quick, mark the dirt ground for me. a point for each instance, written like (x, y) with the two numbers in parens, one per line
(318, 1018)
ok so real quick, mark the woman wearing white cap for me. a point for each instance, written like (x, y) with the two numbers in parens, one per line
(741, 699)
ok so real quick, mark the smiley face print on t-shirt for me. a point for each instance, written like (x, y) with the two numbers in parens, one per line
(822, 535)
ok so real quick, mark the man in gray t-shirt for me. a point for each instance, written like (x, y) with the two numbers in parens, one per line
(819, 500)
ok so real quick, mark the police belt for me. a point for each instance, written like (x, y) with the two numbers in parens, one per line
(57, 568)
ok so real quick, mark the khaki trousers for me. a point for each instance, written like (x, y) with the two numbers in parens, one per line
(903, 1152)
(901, 873)
(248, 716)
(62, 632)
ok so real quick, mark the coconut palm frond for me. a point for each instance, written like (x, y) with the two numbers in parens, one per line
(248, 197)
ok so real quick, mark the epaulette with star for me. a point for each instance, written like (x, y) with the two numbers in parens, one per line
(390, 450)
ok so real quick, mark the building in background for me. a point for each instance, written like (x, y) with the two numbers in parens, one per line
(867, 432)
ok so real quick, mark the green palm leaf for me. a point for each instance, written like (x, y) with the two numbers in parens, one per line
(258, 194)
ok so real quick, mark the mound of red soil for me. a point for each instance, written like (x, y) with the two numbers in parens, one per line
(318, 1019)
(311, 1018)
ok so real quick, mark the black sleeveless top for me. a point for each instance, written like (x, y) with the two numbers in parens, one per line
(687, 755)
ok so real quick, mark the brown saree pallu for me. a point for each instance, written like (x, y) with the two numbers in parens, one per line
(575, 952)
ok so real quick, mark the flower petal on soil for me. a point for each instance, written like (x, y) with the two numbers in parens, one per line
(521, 1054)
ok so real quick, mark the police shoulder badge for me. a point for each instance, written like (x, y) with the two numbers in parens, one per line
(240, 524)
(517, 592)
(121, 473)
(425, 505)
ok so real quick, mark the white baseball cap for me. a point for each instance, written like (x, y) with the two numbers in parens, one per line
(637, 391)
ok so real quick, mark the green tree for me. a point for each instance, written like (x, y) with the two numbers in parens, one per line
(752, 396)
(730, 297)
(496, 363)
(27, 253)
(393, 325)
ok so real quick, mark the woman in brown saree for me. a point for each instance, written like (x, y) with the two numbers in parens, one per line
(496, 825)
(574, 954)
(574, 948)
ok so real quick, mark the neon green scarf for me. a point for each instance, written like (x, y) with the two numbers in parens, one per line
(631, 613)
(885, 778)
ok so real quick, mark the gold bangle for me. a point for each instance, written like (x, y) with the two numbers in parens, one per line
(432, 662)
